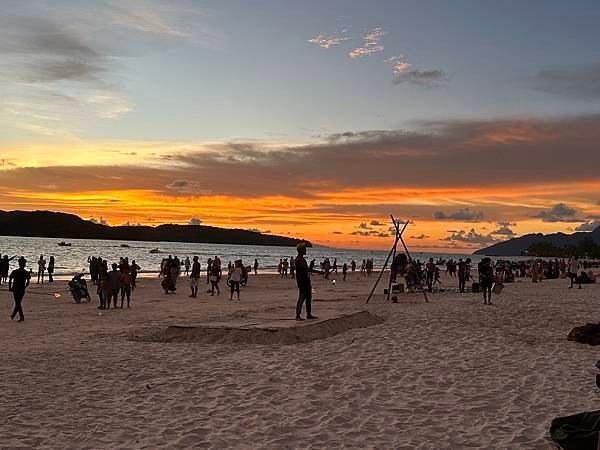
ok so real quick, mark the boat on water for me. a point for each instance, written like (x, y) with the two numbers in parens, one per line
(64, 244)
(155, 250)
(125, 245)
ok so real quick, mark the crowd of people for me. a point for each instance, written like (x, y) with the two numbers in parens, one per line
(110, 284)
(117, 281)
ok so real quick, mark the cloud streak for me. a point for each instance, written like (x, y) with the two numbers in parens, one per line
(580, 82)
(372, 44)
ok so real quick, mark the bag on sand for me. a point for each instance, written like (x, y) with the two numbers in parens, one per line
(497, 288)
(577, 432)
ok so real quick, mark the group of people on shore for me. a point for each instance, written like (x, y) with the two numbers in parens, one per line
(120, 280)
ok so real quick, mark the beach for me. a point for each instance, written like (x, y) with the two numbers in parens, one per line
(451, 373)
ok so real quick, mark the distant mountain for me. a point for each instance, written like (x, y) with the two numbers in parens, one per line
(517, 246)
(68, 226)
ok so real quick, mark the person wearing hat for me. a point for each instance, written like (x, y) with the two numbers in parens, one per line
(17, 283)
(303, 281)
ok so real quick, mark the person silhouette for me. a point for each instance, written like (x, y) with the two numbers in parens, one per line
(17, 283)
(303, 272)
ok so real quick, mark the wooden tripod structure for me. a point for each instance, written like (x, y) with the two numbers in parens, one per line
(392, 254)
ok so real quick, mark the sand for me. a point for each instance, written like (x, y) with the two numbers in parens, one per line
(449, 374)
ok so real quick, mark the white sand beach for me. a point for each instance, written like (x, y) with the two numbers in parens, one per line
(449, 374)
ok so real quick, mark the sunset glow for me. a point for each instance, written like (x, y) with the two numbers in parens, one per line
(321, 136)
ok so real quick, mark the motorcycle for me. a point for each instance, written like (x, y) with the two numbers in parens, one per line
(78, 288)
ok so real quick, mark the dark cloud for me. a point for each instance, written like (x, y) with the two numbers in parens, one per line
(559, 213)
(420, 237)
(452, 154)
(470, 237)
(337, 232)
(421, 77)
(503, 231)
(581, 82)
(463, 214)
(590, 225)
(52, 51)
(376, 223)
(195, 221)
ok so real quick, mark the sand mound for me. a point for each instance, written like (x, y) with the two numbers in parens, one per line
(292, 333)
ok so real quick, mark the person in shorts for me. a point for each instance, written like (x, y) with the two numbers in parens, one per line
(486, 279)
(195, 278)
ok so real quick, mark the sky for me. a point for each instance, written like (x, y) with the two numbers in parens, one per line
(475, 120)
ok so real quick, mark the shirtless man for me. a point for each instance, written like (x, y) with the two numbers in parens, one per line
(303, 272)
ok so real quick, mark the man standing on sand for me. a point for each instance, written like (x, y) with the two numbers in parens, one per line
(195, 277)
(255, 266)
(17, 283)
(462, 275)
(486, 279)
(303, 272)
(187, 264)
(114, 284)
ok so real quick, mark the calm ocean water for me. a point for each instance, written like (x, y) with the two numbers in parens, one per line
(74, 258)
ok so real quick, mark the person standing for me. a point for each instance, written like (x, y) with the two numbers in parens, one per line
(345, 271)
(134, 273)
(17, 283)
(462, 275)
(303, 272)
(573, 271)
(215, 277)
(114, 284)
(187, 264)
(208, 269)
(292, 268)
(429, 273)
(195, 277)
(51, 269)
(255, 266)
(353, 266)
(41, 269)
(486, 279)
(234, 279)
(125, 286)
(284, 268)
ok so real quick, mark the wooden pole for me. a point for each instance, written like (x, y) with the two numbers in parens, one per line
(398, 237)
(410, 260)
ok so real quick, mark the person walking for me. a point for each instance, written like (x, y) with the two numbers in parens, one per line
(345, 271)
(187, 264)
(17, 283)
(255, 266)
(303, 272)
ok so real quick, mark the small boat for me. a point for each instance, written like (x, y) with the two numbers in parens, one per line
(64, 244)
(125, 245)
(155, 250)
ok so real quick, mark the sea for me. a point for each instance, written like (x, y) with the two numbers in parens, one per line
(73, 259)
